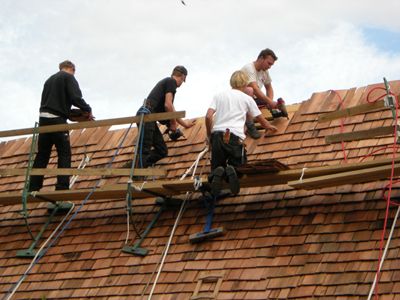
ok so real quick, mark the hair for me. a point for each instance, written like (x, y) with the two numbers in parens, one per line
(239, 79)
(267, 52)
(66, 64)
(179, 71)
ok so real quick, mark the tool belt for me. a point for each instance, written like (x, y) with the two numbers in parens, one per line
(228, 136)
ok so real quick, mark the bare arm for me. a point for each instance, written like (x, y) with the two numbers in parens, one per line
(209, 121)
(260, 95)
(270, 91)
(169, 106)
(265, 124)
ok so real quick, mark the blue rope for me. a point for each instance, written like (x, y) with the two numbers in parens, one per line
(142, 111)
(43, 252)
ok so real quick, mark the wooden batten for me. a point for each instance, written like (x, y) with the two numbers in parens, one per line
(92, 124)
(179, 187)
(357, 176)
(352, 111)
(359, 135)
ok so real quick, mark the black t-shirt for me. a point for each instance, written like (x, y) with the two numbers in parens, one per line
(156, 98)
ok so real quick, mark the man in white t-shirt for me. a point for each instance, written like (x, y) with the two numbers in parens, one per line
(225, 121)
(258, 78)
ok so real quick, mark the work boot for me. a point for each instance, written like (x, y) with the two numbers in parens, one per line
(252, 130)
(232, 180)
(216, 183)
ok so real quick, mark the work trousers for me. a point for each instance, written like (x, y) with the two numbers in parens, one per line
(232, 153)
(45, 144)
(153, 147)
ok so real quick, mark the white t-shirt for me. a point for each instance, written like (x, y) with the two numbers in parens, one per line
(231, 108)
(261, 77)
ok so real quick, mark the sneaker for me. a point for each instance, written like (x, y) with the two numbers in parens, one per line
(216, 183)
(232, 180)
(252, 131)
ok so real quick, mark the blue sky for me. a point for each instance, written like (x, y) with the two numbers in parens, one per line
(122, 48)
(385, 40)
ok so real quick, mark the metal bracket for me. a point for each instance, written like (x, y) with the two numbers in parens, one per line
(208, 232)
(164, 203)
(390, 102)
(54, 209)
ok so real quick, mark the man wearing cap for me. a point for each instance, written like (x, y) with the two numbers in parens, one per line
(60, 92)
(161, 99)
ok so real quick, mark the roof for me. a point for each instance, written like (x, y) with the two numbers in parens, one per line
(279, 242)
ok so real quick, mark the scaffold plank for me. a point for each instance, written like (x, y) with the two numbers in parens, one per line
(92, 124)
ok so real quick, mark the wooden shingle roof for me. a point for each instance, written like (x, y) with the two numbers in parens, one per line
(279, 242)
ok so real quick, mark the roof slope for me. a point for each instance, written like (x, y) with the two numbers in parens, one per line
(280, 243)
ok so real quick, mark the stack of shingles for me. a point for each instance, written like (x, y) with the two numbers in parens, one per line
(280, 243)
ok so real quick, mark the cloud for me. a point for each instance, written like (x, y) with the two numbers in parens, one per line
(122, 48)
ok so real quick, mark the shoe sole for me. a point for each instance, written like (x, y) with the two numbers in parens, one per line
(233, 180)
(216, 183)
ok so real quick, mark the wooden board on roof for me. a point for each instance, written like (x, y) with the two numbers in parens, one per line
(91, 124)
(352, 111)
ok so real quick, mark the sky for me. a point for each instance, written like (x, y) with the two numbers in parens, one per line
(122, 48)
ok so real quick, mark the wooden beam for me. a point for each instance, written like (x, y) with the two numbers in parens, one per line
(352, 111)
(359, 135)
(357, 176)
(92, 124)
(179, 187)
(117, 191)
(85, 172)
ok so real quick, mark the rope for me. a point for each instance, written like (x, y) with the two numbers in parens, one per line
(382, 254)
(44, 251)
(38, 255)
(85, 161)
(302, 174)
(160, 264)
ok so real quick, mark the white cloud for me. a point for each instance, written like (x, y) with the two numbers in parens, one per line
(122, 48)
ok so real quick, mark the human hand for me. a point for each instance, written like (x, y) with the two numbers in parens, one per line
(190, 123)
(271, 129)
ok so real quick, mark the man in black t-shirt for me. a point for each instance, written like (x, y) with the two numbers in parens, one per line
(60, 92)
(161, 99)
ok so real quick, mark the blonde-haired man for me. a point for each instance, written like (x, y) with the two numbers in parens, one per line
(225, 121)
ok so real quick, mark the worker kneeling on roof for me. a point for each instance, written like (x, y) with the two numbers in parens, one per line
(160, 99)
(225, 120)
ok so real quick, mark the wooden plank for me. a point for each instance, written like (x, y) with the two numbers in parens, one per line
(360, 135)
(358, 176)
(86, 172)
(178, 187)
(117, 191)
(352, 111)
(265, 166)
(92, 124)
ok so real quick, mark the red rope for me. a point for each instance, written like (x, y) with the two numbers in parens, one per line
(388, 202)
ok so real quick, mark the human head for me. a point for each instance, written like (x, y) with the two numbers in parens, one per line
(179, 73)
(266, 59)
(239, 80)
(67, 66)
